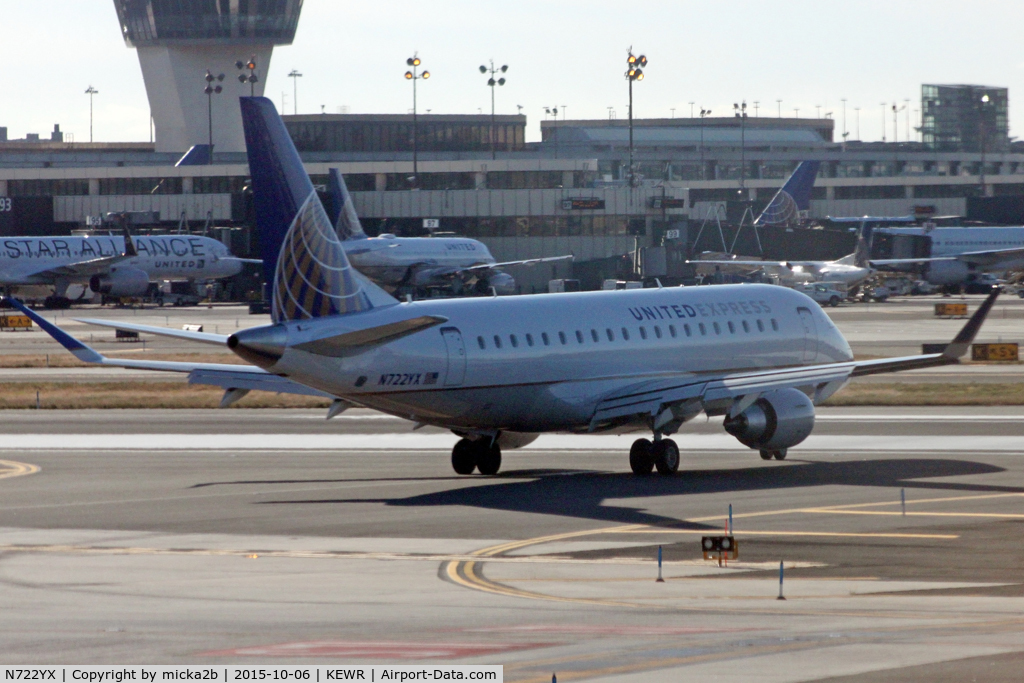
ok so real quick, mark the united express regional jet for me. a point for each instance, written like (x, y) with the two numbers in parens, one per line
(498, 371)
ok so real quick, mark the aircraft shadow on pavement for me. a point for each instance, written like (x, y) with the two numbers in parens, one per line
(582, 495)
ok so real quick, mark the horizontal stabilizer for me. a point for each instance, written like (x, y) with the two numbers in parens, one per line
(345, 344)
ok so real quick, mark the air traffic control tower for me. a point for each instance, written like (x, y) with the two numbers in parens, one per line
(179, 40)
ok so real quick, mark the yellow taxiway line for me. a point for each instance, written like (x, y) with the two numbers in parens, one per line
(10, 469)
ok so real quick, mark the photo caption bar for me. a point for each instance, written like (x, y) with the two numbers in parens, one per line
(403, 673)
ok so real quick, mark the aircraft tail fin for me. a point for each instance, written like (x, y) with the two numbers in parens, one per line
(344, 218)
(793, 199)
(862, 256)
(303, 259)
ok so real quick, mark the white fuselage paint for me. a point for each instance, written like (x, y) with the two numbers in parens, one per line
(387, 260)
(161, 257)
(560, 354)
(957, 241)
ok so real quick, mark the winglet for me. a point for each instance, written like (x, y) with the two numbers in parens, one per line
(962, 342)
(80, 350)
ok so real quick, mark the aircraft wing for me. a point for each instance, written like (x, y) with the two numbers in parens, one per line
(525, 262)
(674, 399)
(977, 258)
(237, 380)
(204, 337)
(780, 264)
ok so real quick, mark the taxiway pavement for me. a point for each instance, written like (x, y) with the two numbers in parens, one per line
(276, 536)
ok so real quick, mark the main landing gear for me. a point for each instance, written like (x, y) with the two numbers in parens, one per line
(646, 455)
(779, 454)
(481, 455)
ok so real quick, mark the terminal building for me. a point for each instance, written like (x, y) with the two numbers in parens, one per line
(569, 192)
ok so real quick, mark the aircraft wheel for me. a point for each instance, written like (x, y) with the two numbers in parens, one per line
(666, 457)
(464, 457)
(488, 457)
(641, 457)
(766, 455)
(780, 454)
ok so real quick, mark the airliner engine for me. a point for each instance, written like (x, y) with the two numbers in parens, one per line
(776, 421)
(120, 282)
(947, 272)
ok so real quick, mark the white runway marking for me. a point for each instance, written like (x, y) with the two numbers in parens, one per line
(415, 441)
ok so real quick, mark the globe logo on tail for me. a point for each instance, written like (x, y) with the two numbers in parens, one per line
(782, 210)
(313, 277)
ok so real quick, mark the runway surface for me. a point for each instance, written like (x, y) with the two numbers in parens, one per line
(276, 536)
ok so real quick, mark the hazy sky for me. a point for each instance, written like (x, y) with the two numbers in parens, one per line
(559, 52)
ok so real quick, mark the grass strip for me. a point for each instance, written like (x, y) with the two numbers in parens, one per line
(157, 394)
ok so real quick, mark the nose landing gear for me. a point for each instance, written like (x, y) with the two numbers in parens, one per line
(645, 456)
(480, 455)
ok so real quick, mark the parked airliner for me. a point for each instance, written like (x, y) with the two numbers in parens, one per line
(113, 265)
(789, 205)
(498, 371)
(420, 262)
(959, 255)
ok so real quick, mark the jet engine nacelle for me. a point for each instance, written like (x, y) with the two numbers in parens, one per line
(503, 283)
(947, 272)
(779, 419)
(121, 282)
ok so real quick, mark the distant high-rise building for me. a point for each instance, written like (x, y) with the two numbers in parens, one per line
(179, 40)
(965, 118)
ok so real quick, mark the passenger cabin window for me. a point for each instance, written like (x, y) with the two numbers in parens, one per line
(579, 336)
(593, 335)
(497, 342)
(625, 334)
(515, 342)
(643, 332)
(544, 338)
(611, 335)
(657, 332)
(718, 328)
(703, 330)
(732, 327)
(672, 330)
(480, 341)
(529, 339)
(561, 338)
(746, 326)
(686, 329)
(760, 325)
(775, 324)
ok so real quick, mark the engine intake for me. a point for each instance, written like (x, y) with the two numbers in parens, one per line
(779, 419)
(120, 282)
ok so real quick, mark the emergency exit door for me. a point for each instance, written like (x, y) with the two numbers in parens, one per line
(456, 356)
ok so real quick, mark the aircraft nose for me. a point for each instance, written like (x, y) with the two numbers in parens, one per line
(261, 346)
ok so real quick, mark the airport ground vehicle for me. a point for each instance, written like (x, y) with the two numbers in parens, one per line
(825, 293)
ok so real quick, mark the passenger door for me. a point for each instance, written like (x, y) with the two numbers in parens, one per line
(810, 333)
(456, 356)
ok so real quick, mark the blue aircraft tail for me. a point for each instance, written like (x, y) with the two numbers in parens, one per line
(793, 198)
(303, 259)
(344, 218)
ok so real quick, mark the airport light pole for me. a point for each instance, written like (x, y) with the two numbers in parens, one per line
(295, 76)
(493, 82)
(210, 89)
(895, 122)
(740, 111)
(857, 110)
(845, 132)
(252, 78)
(634, 72)
(984, 104)
(90, 92)
(704, 113)
(414, 75)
